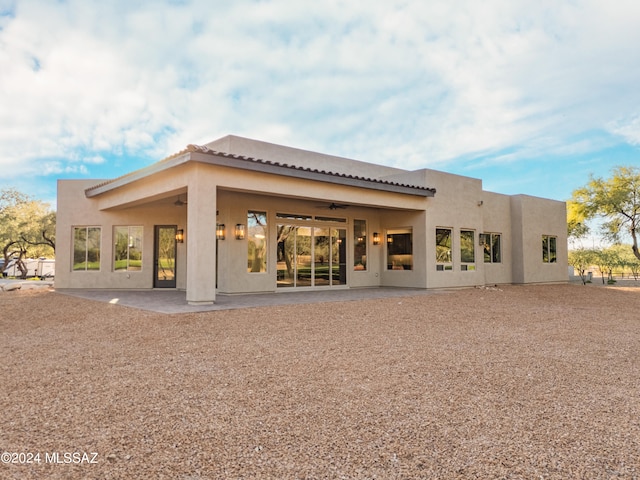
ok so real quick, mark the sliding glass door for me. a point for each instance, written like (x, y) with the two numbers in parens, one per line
(311, 256)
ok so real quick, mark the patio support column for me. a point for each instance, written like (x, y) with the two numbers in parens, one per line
(201, 242)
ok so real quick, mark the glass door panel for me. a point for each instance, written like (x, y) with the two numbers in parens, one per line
(286, 256)
(338, 256)
(303, 257)
(322, 256)
(165, 257)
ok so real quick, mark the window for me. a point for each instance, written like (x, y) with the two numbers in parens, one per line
(330, 219)
(359, 244)
(308, 218)
(400, 249)
(491, 245)
(467, 250)
(549, 249)
(257, 251)
(128, 249)
(443, 249)
(86, 248)
(293, 216)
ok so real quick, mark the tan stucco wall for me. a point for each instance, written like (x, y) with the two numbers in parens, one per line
(496, 218)
(533, 217)
(521, 220)
(455, 206)
(74, 209)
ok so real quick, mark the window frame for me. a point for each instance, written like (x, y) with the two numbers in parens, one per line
(400, 246)
(444, 266)
(360, 245)
(139, 237)
(252, 225)
(87, 229)
(465, 265)
(549, 249)
(488, 247)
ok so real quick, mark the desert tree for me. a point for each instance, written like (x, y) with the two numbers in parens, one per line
(607, 259)
(634, 266)
(27, 228)
(577, 226)
(581, 259)
(615, 199)
(628, 261)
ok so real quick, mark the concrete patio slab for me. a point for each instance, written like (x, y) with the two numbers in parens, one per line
(174, 301)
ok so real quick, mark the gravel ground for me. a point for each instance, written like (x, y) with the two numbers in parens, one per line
(501, 383)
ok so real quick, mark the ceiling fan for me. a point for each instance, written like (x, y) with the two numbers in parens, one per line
(334, 206)
(179, 202)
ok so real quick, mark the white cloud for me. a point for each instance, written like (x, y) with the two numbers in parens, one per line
(415, 83)
(628, 128)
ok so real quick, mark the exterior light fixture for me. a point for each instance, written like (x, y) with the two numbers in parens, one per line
(220, 231)
(180, 236)
(240, 229)
(376, 238)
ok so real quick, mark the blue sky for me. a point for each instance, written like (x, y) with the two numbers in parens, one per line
(530, 96)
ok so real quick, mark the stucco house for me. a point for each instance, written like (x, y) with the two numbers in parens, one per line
(239, 215)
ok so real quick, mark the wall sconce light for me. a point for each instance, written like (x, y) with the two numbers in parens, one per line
(389, 238)
(220, 231)
(240, 228)
(376, 238)
(180, 236)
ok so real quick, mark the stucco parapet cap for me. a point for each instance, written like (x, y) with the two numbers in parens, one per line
(184, 156)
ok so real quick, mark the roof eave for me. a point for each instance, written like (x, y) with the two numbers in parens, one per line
(206, 155)
(170, 162)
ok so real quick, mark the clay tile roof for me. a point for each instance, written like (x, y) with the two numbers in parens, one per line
(207, 150)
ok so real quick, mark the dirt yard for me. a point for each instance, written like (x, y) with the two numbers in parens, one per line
(513, 383)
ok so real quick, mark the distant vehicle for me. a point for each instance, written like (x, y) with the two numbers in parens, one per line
(36, 267)
(46, 268)
(12, 269)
